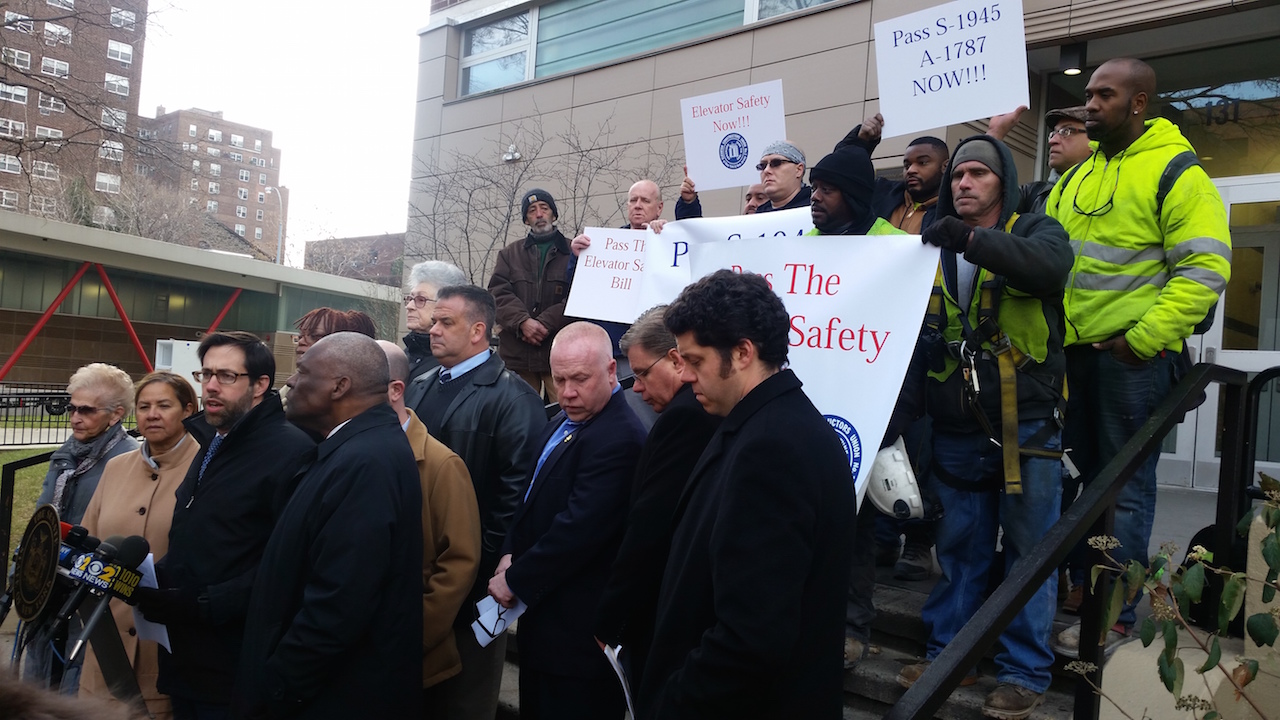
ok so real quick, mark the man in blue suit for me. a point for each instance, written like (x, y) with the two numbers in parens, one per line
(565, 535)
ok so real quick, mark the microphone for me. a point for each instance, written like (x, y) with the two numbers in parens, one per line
(105, 553)
(133, 550)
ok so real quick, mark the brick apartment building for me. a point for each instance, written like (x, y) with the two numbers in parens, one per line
(69, 75)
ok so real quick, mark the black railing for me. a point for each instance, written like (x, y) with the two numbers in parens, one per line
(34, 414)
(1092, 514)
(8, 480)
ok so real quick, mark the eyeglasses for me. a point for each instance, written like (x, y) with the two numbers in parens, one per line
(418, 301)
(642, 374)
(1105, 207)
(85, 410)
(774, 163)
(311, 338)
(225, 377)
(500, 623)
(1065, 131)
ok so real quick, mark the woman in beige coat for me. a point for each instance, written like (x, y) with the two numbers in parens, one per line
(136, 497)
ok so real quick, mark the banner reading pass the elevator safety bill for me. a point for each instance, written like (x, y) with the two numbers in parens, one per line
(855, 305)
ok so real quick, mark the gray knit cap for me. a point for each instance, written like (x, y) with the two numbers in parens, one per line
(984, 152)
(786, 150)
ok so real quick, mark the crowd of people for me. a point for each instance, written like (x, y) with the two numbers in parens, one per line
(715, 536)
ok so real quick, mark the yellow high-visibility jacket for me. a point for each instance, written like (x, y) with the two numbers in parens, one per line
(1151, 278)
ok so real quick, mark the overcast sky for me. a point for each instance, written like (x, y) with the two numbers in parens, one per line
(335, 83)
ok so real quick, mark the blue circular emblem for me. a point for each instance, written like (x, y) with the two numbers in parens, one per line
(849, 439)
(733, 151)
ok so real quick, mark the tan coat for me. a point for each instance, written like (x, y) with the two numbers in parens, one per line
(134, 499)
(450, 549)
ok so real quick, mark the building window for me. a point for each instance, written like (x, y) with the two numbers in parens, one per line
(195, 166)
(19, 22)
(497, 52)
(262, 178)
(20, 59)
(108, 183)
(214, 188)
(142, 169)
(257, 146)
(114, 119)
(48, 103)
(237, 141)
(257, 232)
(145, 134)
(213, 152)
(10, 164)
(195, 184)
(55, 33)
(124, 19)
(12, 128)
(259, 216)
(262, 197)
(191, 131)
(211, 206)
(120, 51)
(56, 68)
(111, 150)
(242, 193)
(44, 170)
(64, 4)
(242, 211)
(245, 176)
(215, 170)
(9, 199)
(214, 135)
(240, 229)
(41, 205)
(118, 84)
(104, 216)
(15, 93)
(48, 134)
(236, 157)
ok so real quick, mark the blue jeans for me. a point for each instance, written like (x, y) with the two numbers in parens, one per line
(1108, 402)
(970, 482)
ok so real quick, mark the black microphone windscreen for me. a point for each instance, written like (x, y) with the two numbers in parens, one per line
(89, 543)
(110, 547)
(133, 550)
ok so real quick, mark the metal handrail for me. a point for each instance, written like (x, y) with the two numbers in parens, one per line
(1091, 514)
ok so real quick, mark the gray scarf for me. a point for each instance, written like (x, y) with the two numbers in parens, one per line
(86, 455)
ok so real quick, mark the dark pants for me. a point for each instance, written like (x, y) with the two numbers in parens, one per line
(544, 696)
(1108, 402)
(472, 693)
(188, 709)
(860, 611)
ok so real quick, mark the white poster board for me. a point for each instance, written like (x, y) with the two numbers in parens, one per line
(855, 306)
(950, 64)
(725, 132)
(606, 280)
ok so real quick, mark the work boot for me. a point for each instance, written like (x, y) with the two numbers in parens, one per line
(1067, 642)
(909, 674)
(1011, 702)
(916, 562)
(855, 651)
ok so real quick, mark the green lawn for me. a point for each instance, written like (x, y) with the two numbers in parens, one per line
(25, 492)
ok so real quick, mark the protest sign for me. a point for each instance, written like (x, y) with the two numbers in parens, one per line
(950, 64)
(725, 132)
(606, 280)
(855, 305)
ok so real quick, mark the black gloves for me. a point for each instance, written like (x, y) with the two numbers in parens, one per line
(949, 233)
(180, 606)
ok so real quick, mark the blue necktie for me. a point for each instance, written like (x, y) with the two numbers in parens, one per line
(565, 430)
(208, 456)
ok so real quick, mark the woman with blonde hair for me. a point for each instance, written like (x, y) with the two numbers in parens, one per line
(136, 497)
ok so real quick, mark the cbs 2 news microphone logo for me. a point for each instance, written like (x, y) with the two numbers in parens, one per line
(107, 577)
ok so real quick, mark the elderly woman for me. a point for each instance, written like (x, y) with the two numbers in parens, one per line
(136, 497)
(101, 397)
(419, 300)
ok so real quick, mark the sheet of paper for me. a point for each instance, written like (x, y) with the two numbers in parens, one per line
(494, 619)
(612, 654)
(725, 133)
(148, 630)
(949, 64)
(606, 282)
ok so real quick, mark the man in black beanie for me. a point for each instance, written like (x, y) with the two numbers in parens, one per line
(841, 201)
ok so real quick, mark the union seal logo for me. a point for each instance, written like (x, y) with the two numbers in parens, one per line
(849, 439)
(733, 151)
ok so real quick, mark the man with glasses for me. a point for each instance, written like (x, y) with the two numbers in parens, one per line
(1068, 146)
(419, 300)
(782, 174)
(226, 508)
(1147, 270)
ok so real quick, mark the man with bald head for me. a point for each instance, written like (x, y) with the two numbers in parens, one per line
(337, 610)
(566, 533)
(1153, 253)
(450, 535)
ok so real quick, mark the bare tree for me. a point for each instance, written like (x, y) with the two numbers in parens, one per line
(465, 207)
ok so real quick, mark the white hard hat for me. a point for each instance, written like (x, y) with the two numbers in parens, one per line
(892, 486)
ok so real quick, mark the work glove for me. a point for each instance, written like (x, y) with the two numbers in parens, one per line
(949, 233)
(170, 606)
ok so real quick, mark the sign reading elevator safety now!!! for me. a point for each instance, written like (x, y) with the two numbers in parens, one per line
(725, 133)
(950, 64)
(854, 306)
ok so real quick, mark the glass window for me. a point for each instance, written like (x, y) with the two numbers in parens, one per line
(215, 170)
(56, 68)
(240, 229)
(262, 197)
(237, 141)
(195, 166)
(191, 130)
(495, 53)
(242, 211)
(55, 33)
(770, 8)
(214, 152)
(258, 217)
(120, 51)
(10, 164)
(211, 206)
(124, 19)
(12, 128)
(214, 135)
(9, 199)
(111, 150)
(48, 103)
(20, 59)
(41, 205)
(262, 178)
(64, 4)
(16, 93)
(214, 188)
(257, 146)
(112, 118)
(245, 176)
(49, 134)
(106, 182)
(257, 232)
(44, 170)
(18, 22)
(235, 156)
(118, 84)
(195, 183)
(242, 193)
